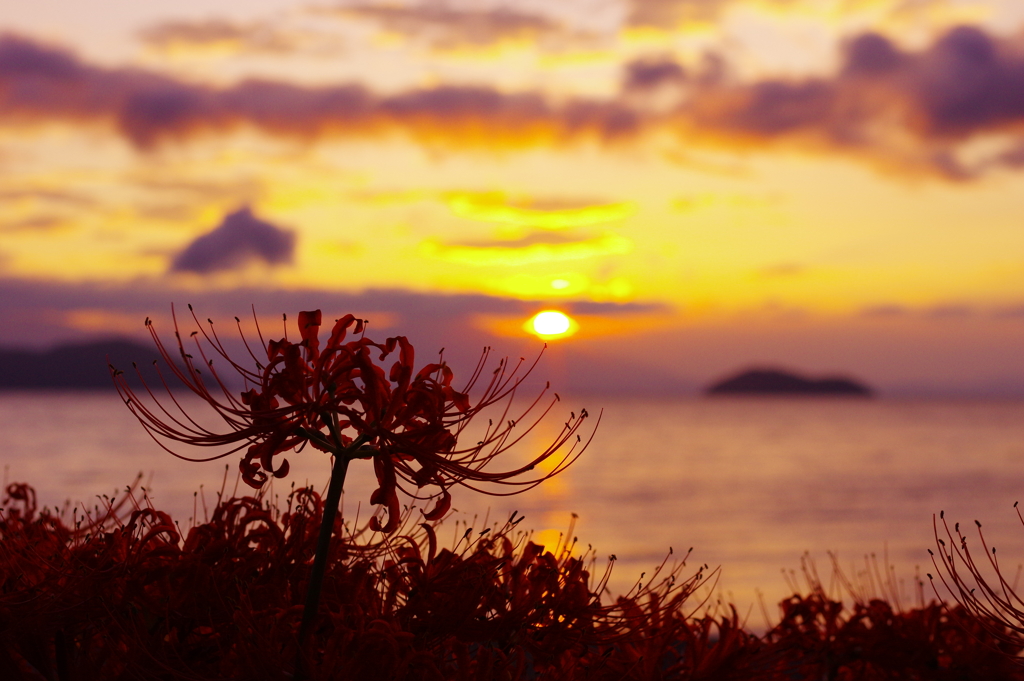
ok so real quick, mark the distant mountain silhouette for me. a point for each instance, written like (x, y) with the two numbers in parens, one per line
(776, 382)
(81, 366)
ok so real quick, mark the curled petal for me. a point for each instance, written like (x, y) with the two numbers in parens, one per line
(393, 515)
(460, 400)
(432, 542)
(401, 371)
(441, 508)
(251, 473)
(428, 371)
(384, 469)
(259, 402)
(290, 381)
(446, 375)
(341, 328)
(386, 494)
(309, 328)
(267, 450)
(274, 348)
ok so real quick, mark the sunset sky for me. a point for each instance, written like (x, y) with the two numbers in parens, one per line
(833, 186)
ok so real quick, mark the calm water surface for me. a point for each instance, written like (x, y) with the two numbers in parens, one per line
(750, 484)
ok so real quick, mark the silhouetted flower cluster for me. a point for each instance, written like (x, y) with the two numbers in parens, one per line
(131, 597)
(126, 594)
(874, 640)
(343, 400)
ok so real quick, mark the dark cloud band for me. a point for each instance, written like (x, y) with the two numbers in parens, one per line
(38, 83)
(907, 110)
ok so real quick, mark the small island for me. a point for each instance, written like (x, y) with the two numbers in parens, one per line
(77, 366)
(778, 382)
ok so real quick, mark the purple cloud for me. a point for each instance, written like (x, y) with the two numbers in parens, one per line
(239, 239)
(871, 54)
(650, 73)
(38, 83)
(969, 81)
(904, 109)
(908, 111)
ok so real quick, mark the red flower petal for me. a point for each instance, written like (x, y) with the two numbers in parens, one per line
(309, 328)
(442, 506)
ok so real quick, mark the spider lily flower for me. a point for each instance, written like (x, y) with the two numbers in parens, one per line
(354, 398)
(991, 600)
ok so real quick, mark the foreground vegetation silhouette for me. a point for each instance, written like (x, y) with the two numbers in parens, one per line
(979, 585)
(343, 400)
(123, 592)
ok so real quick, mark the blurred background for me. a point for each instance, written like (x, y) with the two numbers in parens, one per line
(696, 186)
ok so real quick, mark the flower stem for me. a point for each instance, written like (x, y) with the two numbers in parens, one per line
(316, 577)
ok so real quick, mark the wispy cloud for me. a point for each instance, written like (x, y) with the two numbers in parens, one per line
(951, 311)
(670, 14)
(222, 35)
(782, 270)
(46, 194)
(885, 311)
(940, 312)
(444, 26)
(36, 223)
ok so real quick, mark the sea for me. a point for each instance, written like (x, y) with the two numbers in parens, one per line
(761, 489)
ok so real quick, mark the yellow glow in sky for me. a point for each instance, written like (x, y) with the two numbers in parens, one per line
(493, 208)
(503, 256)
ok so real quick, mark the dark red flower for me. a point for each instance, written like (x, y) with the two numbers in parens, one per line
(356, 398)
(992, 601)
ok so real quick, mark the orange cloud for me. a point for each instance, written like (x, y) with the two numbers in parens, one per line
(528, 253)
(445, 27)
(93, 320)
(670, 14)
(494, 207)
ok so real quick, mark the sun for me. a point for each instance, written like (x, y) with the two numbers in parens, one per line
(551, 324)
